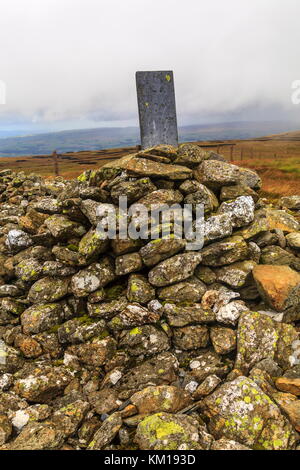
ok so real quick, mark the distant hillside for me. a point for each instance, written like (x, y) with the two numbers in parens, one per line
(104, 138)
(293, 136)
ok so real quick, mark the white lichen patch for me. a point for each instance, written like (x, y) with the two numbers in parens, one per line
(20, 419)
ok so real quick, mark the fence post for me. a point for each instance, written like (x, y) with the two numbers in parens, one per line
(55, 160)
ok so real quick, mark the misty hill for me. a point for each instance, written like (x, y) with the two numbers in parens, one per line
(284, 136)
(103, 138)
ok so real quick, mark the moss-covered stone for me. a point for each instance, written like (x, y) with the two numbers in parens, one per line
(163, 431)
(239, 410)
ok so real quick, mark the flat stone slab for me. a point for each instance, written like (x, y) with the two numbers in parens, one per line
(157, 108)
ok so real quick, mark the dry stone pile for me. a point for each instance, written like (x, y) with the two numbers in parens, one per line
(144, 344)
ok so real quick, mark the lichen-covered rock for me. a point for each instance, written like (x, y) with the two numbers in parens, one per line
(95, 211)
(42, 317)
(278, 219)
(217, 297)
(146, 340)
(181, 315)
(66, 255)
(275, 255)
(217, 227)
(241, 210)
(249, 178)
(278, 285)
(43, 384)
(258, 227)
(29, 270)
(160, 249)
(215, 174)
(175, 269)
(91, 245)
(10, 359)
(236, 275)
(5, 429)
(164, 398)
(205, 274)
(22, 417)
(105, 434)
(10, 306)
(223, 339)
(227, 444)
(293, 240)
(225, 252)
(128, 263)
(232, 192)
(6, 381)
(204, 196)
(139, 290)
(62, 227)
(133, 190)
(191, 290)
(9, 290)
(80, 330)
(104, 401)
(126, 245)
(107, 309)
(92, 278)
(254, 252)
(230, 313)
(290, 202)
(17, 240)
(46, 205)
(94, 353)
(190, 186)
(48, 289)
(190, 155)
(207, 363)
(133, 315)
(160, 197)
(191, 337)
(28, 346)
(144, 167)
(239, 410)
(37, 436)
(57, 269)
(160, 370)
(207, 386)
(163, 431)
(259, 337)
(68, 417)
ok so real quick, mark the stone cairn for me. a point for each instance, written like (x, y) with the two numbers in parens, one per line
(142, 344)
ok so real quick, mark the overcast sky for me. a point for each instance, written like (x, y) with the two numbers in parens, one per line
(72, 63)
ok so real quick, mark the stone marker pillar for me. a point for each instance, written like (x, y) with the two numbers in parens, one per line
(157, 108)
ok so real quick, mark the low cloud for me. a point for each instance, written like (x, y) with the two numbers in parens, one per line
(75, 60)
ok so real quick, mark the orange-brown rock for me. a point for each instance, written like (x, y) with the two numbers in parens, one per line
(162, 398)
(32, 221)
(129, 410)
(281, 220)
(291, 407)
(28, 346)
(278, 285)
(286, 384)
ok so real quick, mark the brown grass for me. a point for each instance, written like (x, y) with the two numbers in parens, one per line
(277, 162)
